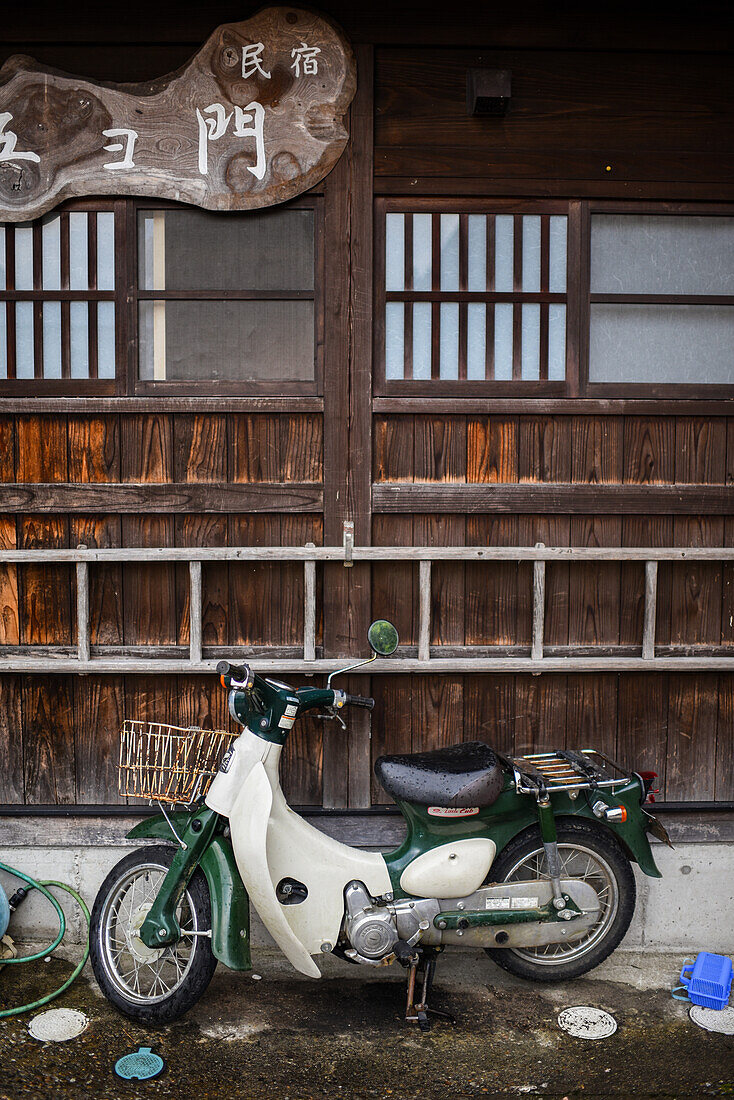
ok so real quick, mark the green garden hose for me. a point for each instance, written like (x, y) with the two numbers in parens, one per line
(41, 887)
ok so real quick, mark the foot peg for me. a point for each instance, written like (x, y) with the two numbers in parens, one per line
(422, 969)
(405, 954)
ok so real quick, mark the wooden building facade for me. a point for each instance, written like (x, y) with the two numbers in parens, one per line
(478, 331)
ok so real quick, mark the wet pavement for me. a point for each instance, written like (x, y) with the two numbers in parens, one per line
(293, 1039)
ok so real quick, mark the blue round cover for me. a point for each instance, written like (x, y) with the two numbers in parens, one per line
(141, 1065)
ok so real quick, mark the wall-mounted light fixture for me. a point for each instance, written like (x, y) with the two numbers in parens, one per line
(488, 92)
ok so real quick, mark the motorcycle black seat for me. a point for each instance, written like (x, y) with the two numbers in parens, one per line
(460, 775)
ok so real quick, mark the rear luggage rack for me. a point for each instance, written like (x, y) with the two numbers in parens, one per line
(564, 770)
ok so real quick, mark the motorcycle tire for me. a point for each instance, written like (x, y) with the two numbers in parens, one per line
(587, 851)
(151, 985)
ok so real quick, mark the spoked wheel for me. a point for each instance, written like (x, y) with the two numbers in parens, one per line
(153, 985)
(595, 857)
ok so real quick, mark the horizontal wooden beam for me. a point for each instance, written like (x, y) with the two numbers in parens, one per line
(157, 554)
(114, 497)
(83, 405)
(543, 166)
(540, 406)
(49, 663)
(556, 497)
(453, 185)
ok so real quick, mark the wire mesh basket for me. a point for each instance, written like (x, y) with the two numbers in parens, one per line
(165, 763)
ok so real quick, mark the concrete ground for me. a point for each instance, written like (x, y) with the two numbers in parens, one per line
(295, 1039)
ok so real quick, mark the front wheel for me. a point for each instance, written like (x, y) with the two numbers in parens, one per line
(153, 985)
(591, 855)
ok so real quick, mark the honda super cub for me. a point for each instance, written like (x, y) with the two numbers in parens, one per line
(527, 857)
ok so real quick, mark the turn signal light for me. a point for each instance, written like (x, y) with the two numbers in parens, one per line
(616, 814)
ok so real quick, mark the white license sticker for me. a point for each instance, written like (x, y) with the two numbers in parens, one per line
(291, 711)
(497, 903)
(453, 811)
(286, 723)
(524, 903)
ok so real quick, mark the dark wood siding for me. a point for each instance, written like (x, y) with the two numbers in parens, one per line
(639, 109)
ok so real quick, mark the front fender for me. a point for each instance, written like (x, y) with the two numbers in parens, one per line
(229, 900)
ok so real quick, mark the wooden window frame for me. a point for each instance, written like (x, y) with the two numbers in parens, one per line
(442, 387)
(66, 386)
(126, 296)
(578, 308)
(662, 390)
(137, 387)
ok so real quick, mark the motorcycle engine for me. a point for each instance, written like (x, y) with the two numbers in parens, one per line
(371, 930)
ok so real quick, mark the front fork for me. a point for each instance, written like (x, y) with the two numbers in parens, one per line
(161, 928)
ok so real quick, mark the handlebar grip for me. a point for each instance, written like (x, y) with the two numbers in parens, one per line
(234, 672)
(360, 701)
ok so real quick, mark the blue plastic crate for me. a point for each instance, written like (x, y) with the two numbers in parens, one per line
(708, 980)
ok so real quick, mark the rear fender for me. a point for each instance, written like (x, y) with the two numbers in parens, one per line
(632, 833)
(229, 900)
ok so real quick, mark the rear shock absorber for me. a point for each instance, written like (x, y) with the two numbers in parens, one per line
(547, 823)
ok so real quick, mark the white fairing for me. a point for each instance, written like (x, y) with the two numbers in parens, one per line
(450, 871)
(271, 842)
(239, 761)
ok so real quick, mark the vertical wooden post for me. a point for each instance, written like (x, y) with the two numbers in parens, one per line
(347, 387)
(195, 612)
(651, 606)
(424, 613)
(82, 609)
(309, 608)
(536, 650)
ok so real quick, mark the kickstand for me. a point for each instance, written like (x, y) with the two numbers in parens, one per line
(422, 970)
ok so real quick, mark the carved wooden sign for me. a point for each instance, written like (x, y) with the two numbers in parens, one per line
(253, 119)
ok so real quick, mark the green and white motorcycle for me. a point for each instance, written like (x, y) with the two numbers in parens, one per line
(527, 857)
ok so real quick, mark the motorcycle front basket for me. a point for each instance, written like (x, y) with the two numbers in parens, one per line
(164, 763)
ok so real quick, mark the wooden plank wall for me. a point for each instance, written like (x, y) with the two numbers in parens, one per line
(679, 725)
(611, 119)
(593, 122)
(59, 734)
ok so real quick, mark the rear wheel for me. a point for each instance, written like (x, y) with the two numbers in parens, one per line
(153, 985)
(587, 853)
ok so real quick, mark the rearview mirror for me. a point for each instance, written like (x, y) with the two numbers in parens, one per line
(383, 637)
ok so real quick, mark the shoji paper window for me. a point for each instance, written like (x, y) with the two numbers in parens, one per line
(57, 307)
(475, 296)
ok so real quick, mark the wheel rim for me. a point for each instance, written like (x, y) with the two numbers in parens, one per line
(142, 974)
(577, 862)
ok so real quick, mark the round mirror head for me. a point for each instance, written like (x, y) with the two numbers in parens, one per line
(383, 637)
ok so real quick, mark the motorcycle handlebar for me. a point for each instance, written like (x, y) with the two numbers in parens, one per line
(360, 701)
(240, 673)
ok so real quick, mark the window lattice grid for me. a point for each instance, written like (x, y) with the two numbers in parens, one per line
(57, 297)
(475, 296)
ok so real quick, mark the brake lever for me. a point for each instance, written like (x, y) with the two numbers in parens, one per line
(333, 716)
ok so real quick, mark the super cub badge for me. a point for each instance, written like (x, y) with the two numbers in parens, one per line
(227, 761)
(453, 811)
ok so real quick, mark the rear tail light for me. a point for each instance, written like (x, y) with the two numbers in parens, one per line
(649, 789)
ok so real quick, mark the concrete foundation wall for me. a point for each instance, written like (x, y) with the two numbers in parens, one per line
(690, 909)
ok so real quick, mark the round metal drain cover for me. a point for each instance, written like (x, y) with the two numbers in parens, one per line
(713, 1019)
(141, 1065)
(57, 1025)
(587, 1023)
